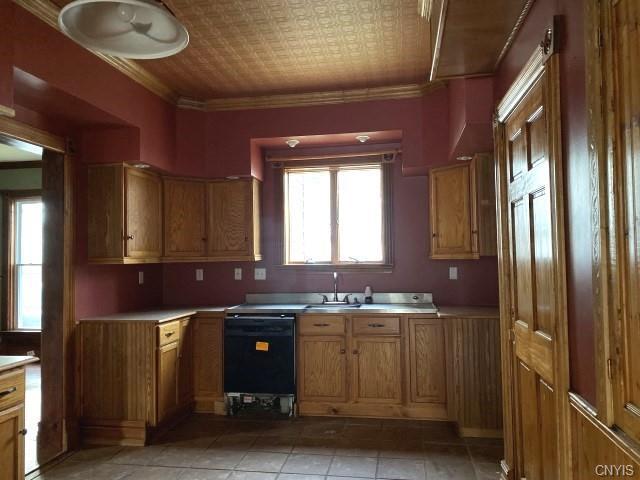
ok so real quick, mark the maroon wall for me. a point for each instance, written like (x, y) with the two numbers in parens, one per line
(575, 153)
(424, 125)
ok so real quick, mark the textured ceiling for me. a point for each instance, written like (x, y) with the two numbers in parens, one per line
(262, 47)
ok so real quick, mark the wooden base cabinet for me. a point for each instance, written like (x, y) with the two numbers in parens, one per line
(136, 378)
(377, 370)
(322, 363)
(208, 344)
(12, 432)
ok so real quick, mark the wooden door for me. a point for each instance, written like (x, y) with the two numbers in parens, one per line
(184, 218)
(167, 380)
(143, 207)
(532, 275)
(452, 212)
(12, 443)
(208, 354)
(230, 218)
(185, 366)
(427, 361)
(322, 369)
(377, 370)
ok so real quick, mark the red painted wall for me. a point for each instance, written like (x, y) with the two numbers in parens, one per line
(424, 125)
(575, 153)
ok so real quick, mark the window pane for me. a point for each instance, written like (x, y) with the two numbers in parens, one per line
(360, 214)
(29, 231)
(29, 296)
(309, 208)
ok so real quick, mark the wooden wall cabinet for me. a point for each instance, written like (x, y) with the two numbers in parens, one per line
(124, 215)
(233, 219)
(462, 210)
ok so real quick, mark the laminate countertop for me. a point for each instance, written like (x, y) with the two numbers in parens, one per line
(9, 362)
(170, 314)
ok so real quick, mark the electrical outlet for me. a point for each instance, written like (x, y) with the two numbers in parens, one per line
(260, 274)
(140, 278)
(199, 274)
(453, 273)
(237, 274)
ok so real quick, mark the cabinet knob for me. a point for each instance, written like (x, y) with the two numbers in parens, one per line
(342, 351)
(434, 235)
(355, 352)
(204, 239)
(129, 237)
(23, 432)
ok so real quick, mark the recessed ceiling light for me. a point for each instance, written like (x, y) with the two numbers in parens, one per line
(464, 158)
(363, 138)
(141, 165)
(292, 142)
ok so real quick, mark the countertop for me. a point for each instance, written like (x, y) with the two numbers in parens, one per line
(167, 315)
(8, 362)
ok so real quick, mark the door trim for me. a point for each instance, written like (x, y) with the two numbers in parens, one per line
(542, 65)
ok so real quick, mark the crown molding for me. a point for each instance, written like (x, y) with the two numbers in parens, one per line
(47, 11)
(393, 92)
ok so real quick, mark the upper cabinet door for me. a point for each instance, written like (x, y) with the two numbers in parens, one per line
(453, 216)
(104, 204)
(144, 214)
(184, 218)
(233, 219)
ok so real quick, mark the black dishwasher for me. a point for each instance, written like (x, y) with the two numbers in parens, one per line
(259, 354)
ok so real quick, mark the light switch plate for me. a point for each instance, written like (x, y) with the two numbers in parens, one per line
(260, 274)
(199, 274)
(140, 278)
(237, 274)
(453, 273)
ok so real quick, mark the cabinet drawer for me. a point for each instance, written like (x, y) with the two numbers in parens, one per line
(11, 389)
(322, 325)
(376, 325)
(169, 332)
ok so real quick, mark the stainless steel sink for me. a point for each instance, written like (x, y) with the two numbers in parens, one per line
(334, 306)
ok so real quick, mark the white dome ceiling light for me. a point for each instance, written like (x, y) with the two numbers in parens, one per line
(139, 29)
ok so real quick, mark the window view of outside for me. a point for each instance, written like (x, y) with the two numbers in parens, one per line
(28, 263)
(357, 215)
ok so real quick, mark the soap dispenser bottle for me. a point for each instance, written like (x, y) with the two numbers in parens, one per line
(368, 295)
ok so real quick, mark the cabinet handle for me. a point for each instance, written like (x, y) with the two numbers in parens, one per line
(355, 352)
(8, 391)
(342, 351)
(23, 432)
(320, 324)
(168, 334)
(434, 235)
(375, 325)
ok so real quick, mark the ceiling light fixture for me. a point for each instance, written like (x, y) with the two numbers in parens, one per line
(363, 138)
(142, 29)
(292, 142)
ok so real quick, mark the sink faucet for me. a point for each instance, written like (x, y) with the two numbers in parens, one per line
(335, 287)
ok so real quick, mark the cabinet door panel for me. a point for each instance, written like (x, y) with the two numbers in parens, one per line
(230, 219)
(427, 361)
(322, 368)
(452, 213)
(208, 345)
(184, 218)
(377, 370)
(167, 380)
(104, 206)
(144, 214)
(12, 443)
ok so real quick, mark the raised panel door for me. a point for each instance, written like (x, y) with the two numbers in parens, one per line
(12, 443)
(167, 380)
(184, 218)
(143, 207)
(427, 361)
(322, 368)
(208, 355)
(230, 222)
(452, 212)
(105, 207)
(377, 370)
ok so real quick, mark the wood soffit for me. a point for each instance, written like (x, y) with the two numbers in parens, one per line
(253, 54)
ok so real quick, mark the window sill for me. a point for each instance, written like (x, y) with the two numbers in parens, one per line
(21, 332)
(327, 268)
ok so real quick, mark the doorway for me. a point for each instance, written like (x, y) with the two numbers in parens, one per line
(36, 279)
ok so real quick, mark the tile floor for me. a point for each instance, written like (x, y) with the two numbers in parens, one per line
(217, 448)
